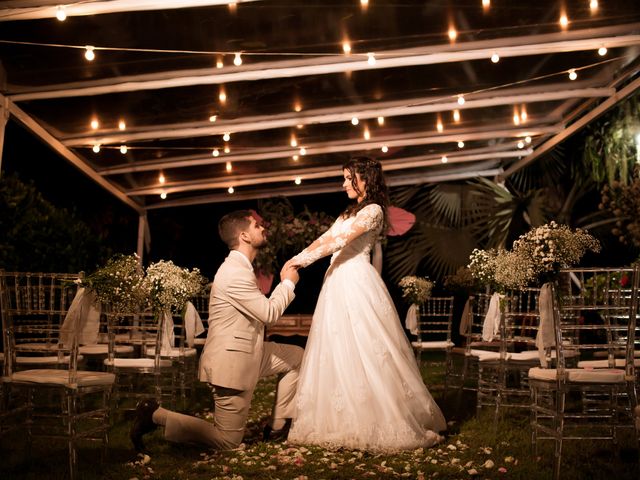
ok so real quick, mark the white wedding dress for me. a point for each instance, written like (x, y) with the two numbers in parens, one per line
(359, 384)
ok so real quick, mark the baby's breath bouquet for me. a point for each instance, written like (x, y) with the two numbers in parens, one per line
(482, 264)
(169, 287)
(119, 283)
(415, 290)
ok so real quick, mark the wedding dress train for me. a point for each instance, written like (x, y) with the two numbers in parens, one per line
(359, 384)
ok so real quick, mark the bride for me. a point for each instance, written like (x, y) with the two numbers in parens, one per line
(359, 384)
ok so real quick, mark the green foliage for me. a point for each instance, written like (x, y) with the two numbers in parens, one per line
(37, 236)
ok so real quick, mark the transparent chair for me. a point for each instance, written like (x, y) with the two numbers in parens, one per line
(502, 375)
(434, 330)
(44, 390)
(201, 302)
(592, 312)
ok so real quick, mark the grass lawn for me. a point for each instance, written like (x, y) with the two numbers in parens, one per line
(474, 448)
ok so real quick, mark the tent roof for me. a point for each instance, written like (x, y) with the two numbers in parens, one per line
(429, 107)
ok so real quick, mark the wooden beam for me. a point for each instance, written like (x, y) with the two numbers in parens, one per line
(37, 9)
(326, 171)
(576, 126)
(526, 45)
(399, 140)
(413, 106)
(4, 118)
(70, 156)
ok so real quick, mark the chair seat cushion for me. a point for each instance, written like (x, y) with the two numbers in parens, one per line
(61, 377)
(432, 345)
(135, 363)
(619, 363)
(579, 375)
(199, 341)
(103, 349)
(48, 360)
(174, 353)
(526, 356)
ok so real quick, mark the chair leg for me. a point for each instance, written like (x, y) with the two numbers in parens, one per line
(559, 433)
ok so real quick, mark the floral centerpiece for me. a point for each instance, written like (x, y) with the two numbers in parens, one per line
(482, 265)
(415, 290)
(119, 284)
(170, 287)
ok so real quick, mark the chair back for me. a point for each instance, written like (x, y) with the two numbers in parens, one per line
(434, 320)
(520, 321)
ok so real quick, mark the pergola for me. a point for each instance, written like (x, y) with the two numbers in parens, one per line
(189, 102)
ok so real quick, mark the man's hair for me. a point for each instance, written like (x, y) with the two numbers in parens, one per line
(230, 226)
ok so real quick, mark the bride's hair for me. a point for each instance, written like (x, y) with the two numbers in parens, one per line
(370, 172)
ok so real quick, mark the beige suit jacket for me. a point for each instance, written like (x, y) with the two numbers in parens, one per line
(238, 313)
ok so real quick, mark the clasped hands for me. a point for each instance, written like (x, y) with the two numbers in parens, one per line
(290, 271)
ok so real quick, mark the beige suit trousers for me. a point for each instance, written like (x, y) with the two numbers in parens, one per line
(232, 406)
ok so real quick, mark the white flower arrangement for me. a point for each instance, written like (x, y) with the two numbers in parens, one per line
(119, 283)
(170, 287)
(415, 290)
(482, 264)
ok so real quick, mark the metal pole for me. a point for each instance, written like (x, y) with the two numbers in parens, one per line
(142, 220)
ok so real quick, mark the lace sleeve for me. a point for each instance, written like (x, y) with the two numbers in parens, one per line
(367, 219)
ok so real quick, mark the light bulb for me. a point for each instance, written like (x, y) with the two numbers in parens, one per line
(237, 60)
(295, 158)
(213, 118)
(384, 149)
(230, 190)
(61, 14)
(495, 58)
(215, 152)
(123, 149)
(523, 115)
(602, 51)
(572, 74)
(161, 179)
(229, 167)
(520, 144)
(380, 120)
(227, 149)
(95, 124)
(452, 34)
(460, 144)
(226, 137)
(298, 180)
(486, 3)
(527, 139)
(122, 125)
(456, 115)
(222, 96)
(297, 107)
(163, 195)
(439, 126)
(89, 54)
(364, 4)
(355, 121)
(564, 20)
(346, 47)
(371, 59)
(96, 148)
(366, 134)
(303, 151)
(444, 159)
(294, 141)
(516, 119)
(461, 100)
(593, 4)
(219, 63)
(300, 126)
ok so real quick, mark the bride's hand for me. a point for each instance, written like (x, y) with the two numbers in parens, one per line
(291, 263)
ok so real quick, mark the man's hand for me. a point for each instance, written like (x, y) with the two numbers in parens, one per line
(291, 263)
(289, 272)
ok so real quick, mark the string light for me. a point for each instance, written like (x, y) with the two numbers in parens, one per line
(61, 14)
(527, 139)
(294, 141)
(298, 181)
(233, 6)
(89, 54)
(460, 144)
(593, 5)
(229, 167)
(222, 96)
(371, 59)
(216, 152)
(123, 149)
(564, 20)
(516, 118)
(122, 125)
(523, 114)
(486, 4)
(237, 60)
(456, 115)
(300, 126)
(366, 134)
(439, 125)
(520, 144)
(355, 121)
(303, 151)
(452, 34)
(219, 63)
(384, 149)
(227, 149)
(213, 118)
(461, 100)
(495, 58)
(96, 148)
(163, 195)
(444, 159)
(602, 51)
(346, 47)
(295, 158)
(226, 137)
(230, 190)
(572, 74)
(95, 124)
(380, 121)
(364, 4)
(297, 106)
(161, 179)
